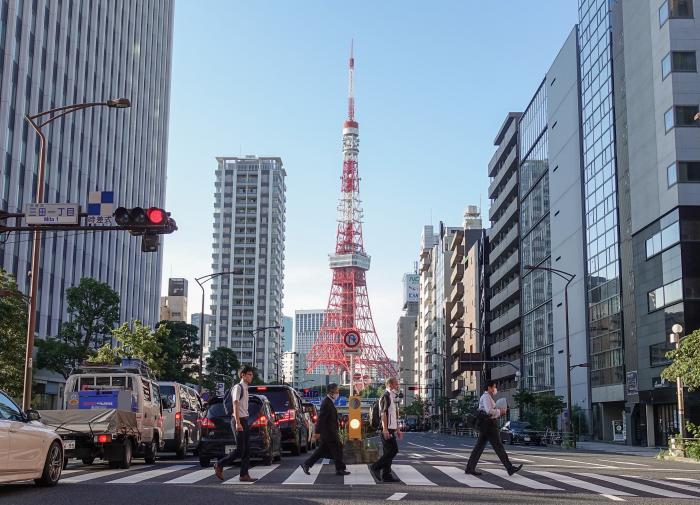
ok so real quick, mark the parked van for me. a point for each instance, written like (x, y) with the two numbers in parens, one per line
(182, 409)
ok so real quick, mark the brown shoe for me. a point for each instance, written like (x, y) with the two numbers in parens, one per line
(247, 478)
(218, 471)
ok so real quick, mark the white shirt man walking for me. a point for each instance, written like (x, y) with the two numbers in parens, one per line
(488, 431)
(389, 414)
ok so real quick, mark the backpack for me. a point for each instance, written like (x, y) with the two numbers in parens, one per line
(375, 411)
(228, 401)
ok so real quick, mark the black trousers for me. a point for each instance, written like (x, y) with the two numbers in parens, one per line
(391, 449)
(242, 447)
(329, 447)
(488, 433)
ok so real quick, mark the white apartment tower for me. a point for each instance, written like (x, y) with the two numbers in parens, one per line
(249, 227)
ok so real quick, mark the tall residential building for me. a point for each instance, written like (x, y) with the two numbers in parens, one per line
(307, 324)
(287, 333)
(55, 53)
(503, 338)
(249, 230)
(195, 320)
(405, 335)
(174, 306)
(292, 373)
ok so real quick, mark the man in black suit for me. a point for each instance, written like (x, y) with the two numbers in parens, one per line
(327, 428)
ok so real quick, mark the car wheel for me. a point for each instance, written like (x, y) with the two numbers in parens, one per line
(125, 463)
(151, 451)
(87, 461)
(204, 462)
(52, 466)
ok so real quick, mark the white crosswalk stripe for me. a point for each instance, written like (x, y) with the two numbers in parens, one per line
(685, 479)
(359, 475)
(468, 480)
(638, 486)
(299, 477)
(141, 476)
(410, 476)
(257, 472)
(522, 481)
(193, 477)
(684, 487)
(93, 475)
(574, 482)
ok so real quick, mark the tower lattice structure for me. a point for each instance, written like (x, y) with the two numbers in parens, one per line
(348, 303)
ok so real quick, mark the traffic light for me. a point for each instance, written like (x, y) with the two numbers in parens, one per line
(355, 418)
(149, 222)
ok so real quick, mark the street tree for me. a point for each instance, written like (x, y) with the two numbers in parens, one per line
(180, 351)
(685, 362)
(222, 366)
(13, 330)
(134, 341)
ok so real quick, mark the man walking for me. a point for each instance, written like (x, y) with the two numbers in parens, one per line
(239, 426)
(389, 413)
(488, 431)
(327, 428)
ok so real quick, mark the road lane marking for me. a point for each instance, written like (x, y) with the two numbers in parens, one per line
(463, 478)
(299, 477)
(613, 497)
(257, 472)
(359, 475)
(464, 456)
(326, 461)
(93, 475)
(522, 481)
(418, 456)
(637, 486)
(571, 481)
(685, 479)
(596, 465)
(410, 476)
(622, 462)
(396, 496)
(192, 477)
(141, 476)
(439, 445)
(684, 487)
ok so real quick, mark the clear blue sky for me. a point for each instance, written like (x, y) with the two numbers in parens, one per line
(433, 83)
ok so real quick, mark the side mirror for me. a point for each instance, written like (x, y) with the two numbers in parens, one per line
(32, 415)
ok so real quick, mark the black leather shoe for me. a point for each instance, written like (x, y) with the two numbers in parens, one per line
(342, 472)
(305, 468)
(375, 473)
(390, 478)
(514, 469)
(471, 472)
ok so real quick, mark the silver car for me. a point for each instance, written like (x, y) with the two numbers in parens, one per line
(182, 411)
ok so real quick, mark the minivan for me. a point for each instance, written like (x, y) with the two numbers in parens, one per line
(182, 410)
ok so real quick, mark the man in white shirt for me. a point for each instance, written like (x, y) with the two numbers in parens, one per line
(488, 431)
(239, 426)
(389, 413)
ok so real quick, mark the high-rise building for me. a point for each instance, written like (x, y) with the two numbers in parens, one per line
(61, 53)
(287, 333)
(405, 335)
(174, 306)
(195, 320)
(292, 373)
(54, 54)
(249, 230)
(307, 324)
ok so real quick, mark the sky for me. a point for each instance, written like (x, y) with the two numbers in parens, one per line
(433, 84)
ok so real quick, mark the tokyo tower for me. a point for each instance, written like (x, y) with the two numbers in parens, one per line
(348, 304)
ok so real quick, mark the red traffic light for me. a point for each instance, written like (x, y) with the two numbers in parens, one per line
(156, 216)
(413, 388)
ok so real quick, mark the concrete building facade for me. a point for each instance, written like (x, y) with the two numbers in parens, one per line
(405, 336)
(174, 306)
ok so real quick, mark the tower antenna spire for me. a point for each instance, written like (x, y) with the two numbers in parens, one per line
(351, 93)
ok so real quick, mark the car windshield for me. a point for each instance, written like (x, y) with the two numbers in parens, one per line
(167, 391)
(279, 398)
(518, 425)
(218, 410)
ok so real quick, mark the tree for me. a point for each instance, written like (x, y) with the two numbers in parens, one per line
(417, 408)
(93, 311)
(549, 407)
(135, 341)
(222, 366)
(13, 332)
(180, 351)
(685, 362)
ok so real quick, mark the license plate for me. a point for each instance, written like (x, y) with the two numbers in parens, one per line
(527, 439)
(69, 444)
(229, 449)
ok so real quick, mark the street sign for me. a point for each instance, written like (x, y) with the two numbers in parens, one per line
(100, 208)
(52, 213)
(220, 389)
(619, 434)
(351, 338)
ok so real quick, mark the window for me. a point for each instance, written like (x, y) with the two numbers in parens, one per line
(666, 66)
(680, 8)
(657, 354)
(668, 119)
(678, 61)
(671, 174)
(8, 410)
(689, 171)
(656, 299)
(663, 239)
(665, 295)
(663, 13)
(681, 115)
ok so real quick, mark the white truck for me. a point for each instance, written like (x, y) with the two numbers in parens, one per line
(112, 412)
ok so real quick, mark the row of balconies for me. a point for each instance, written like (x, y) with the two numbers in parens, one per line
(457, 293)
(509, 216)
(510, 190)
(506, 345)
(508, 166)
(457, 312)
(505, 243)
(457, 256)
(510, 291)
(503, 371)
(505, 319)
(504, 145)
(504, 269)
(457, 274)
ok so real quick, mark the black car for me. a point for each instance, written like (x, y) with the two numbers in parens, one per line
(519, 432)
(291, 417)
(217, 438)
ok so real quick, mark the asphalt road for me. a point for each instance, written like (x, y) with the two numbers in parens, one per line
(429, 466)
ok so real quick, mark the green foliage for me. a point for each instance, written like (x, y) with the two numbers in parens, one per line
(135, 341)
(458, 411)
(417, 408)
(579, 421)
(222, 366)
(373, 391)
(93, 310)
(13, 334)
(685, 362)
(692, 447)
(179, 348)
(540, 410)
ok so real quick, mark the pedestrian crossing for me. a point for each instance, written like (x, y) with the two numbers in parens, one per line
(420, 475)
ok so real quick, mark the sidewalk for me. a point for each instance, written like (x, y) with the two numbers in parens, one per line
(629, 450)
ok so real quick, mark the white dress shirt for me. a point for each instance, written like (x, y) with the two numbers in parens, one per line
(488, 405)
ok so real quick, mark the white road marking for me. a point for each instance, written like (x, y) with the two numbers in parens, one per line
(522, 481)
(637, 486)
(410, 476)
(439, 445)
(91, 476)
(596, 465)
(396, 496)
(685, 479)
(192, 477)
(417, 456)
(70, 471)
(257, 472)
(684, 487)
(622, 462)
(326, 461)
(141, 476)
(612, 497)
(571, 481)
(359, 475)
(463, 478)
(299, 477)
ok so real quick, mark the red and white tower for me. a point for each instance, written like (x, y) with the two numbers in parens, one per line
(348, 304)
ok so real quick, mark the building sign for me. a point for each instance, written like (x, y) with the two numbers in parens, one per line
(100, 208)
(619, 431)
(632, 384)
(52, 213)
(411, 288)
(177, 287)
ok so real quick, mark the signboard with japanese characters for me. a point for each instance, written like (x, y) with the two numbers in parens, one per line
(52, 213)
(100, 208)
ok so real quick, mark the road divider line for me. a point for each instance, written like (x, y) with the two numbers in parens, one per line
(463, 478)
(574, 482)
(397, 496)
(637, 486)
(300, 478)
(257, 472)
(521, 480)
(410, 476)
(151, 474)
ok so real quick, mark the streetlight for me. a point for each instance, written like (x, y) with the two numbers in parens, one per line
(37, 123)
(675, 338)
(201, 281)
(568, 277)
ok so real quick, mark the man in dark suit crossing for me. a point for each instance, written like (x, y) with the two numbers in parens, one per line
(327, 428)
